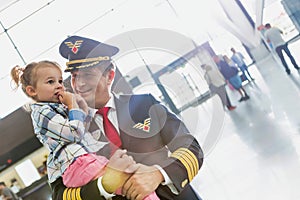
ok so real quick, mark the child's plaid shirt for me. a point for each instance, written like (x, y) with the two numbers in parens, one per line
(63, 133)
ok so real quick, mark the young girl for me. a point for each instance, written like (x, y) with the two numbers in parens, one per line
(59, 120)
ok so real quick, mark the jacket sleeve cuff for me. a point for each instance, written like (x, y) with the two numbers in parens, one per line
(102, 190)
(75, 114)
(168, 182)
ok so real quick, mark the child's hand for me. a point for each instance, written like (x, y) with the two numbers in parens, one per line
(81, 103)
(115, 175)
(68, 99)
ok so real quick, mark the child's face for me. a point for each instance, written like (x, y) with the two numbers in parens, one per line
(49, 84)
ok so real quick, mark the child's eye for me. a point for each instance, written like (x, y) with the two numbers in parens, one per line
(60, 81)
(50, 81)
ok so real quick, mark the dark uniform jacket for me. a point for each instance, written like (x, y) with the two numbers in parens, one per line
(152, 135)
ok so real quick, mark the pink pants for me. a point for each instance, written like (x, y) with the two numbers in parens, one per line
(87, 168)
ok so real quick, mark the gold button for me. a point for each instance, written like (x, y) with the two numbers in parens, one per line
(183, 183)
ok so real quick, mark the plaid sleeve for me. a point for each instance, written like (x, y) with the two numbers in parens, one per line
(77, 114)
(56, 126)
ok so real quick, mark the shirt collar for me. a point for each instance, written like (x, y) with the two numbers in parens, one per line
(111, 102)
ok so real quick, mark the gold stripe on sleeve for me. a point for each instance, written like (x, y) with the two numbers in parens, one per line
(191, 157)
(65, 194)
(73, 194)
(186, 165)
(195, 159)
(78, 197)
(188, 159)
(69, 194)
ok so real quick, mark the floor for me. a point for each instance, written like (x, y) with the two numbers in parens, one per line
(252, 152)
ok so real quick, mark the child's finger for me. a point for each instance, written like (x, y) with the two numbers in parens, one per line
(132, 168)
(60, 98)
(119, 153)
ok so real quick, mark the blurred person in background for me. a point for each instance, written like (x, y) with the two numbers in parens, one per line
(216, 83)
(231, 74)
(274, 36)
(7, 193)
(238, 59)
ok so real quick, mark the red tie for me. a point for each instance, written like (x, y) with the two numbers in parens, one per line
(110, 131)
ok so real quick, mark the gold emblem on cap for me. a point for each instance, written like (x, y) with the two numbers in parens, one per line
(74, 47)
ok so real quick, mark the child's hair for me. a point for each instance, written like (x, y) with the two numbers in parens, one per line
(27, 76)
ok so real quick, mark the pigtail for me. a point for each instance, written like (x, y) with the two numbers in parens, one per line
(16, 73)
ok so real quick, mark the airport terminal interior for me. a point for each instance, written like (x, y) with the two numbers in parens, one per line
(257, 155)
(249, 153)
